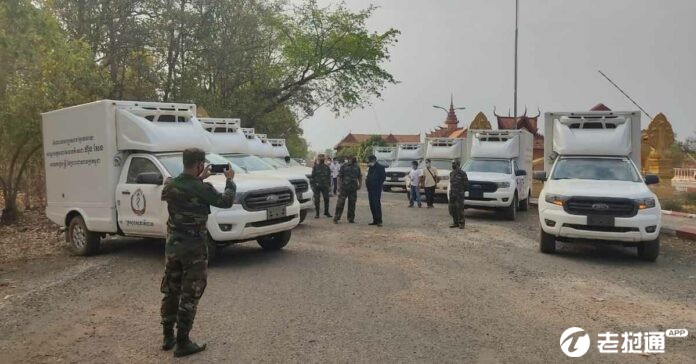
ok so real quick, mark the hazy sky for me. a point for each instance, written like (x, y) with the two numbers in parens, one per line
(465, 47)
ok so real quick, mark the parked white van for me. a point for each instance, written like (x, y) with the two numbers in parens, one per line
(106, 163)
(442, 152)
(593, 187)
(406, 153)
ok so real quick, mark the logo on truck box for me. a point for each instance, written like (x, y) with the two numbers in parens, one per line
(138, 202)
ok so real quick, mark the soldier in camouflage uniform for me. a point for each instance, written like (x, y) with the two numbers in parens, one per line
(350, 181)
(459, 183)
(321, 184)
(185, 274)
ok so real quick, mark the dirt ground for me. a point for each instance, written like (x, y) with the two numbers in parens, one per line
(411, 291)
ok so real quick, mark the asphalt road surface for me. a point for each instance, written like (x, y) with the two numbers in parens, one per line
(411, 291)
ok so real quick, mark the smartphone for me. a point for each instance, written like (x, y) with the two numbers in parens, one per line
(218, 168)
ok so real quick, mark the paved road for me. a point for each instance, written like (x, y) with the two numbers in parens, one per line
(412, 291)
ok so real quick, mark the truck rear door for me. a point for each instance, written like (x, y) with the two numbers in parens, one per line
(141, 211)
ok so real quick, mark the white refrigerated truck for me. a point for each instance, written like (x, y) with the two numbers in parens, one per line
(442, 152)
(385, 155)
(406, 153)
(499, 170)
(593, 188)
(229, 141)
(106, 163)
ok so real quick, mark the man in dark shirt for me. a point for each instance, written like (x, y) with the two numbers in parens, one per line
(375, 183)
(321, 184)
(349, 181)
(186, 270)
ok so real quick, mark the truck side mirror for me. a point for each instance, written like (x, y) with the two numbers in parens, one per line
(149, 178)
(540, 176)
(651, 179)
(520, 172)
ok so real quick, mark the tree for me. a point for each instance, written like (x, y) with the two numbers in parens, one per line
(367, 146)
(39, 70)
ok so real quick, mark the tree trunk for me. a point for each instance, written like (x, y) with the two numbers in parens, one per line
(10, 211)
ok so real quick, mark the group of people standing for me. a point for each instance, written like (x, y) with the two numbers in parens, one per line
(427, 178)
(346, 180)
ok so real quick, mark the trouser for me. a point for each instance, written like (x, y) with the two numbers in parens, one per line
(414, 196)
(430, 195)
(375, 196)
(334, 181)
(352, 196)
(319, 192)
(185, 279)
(456, 210)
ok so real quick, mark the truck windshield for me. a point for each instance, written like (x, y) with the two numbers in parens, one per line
(250, 163)
(293, 163)
(402, 163)
(274, 162)
(488, 165)
(439, 163)
(605, 169)
(175, 165)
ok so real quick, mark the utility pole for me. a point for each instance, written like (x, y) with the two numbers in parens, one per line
(517, 17)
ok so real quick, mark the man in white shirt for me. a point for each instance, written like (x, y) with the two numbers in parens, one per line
(414, 183)
(430, 180)
(335, 167)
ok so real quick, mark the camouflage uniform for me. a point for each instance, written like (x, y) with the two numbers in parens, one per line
(459, 183)
(350, 177)
(186, 270)
(321, 184)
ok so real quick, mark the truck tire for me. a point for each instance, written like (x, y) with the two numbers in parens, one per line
(649, 250)
(547, 242)
(510, 212)
(303, 215)
(274, 241)
(82, 241)
(524, 204)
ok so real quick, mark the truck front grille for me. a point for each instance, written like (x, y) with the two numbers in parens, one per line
(482, 186)
(264, 199)
(604, 206)
(395, 174)
(301, 186)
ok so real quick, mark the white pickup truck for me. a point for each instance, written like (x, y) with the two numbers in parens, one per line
(442, 152)
(231, 142)
(385, 155)
(106, 163)
(406, 153)
(593, 188)
(499, 170)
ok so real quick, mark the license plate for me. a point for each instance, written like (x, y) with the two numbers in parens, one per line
(275, 212)
(476, 194)
(395, 179)
(594, 220)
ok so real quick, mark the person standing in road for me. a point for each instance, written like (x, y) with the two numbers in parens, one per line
(459, 183)
(430, 181)
(349, 181)
(321, 183)
(186, 269)
(414, 183)
(335, 167)
(374, 183)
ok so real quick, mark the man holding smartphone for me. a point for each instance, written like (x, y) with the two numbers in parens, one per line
(186, 251)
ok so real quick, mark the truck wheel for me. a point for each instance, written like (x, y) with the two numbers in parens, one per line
(649, 250)
(274, 241)
(547, 242)
(510, 212)
(303, 215)
(82, 241)
(524, 204)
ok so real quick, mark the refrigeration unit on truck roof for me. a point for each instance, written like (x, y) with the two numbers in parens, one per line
(385, 153)
(255, 144)
(225, 135)
(280, 149)
(592, 133)
(444, 148)
(410, 151)
(266, 147)
(504, 144)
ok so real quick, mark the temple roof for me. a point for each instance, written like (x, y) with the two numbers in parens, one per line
(511, 122)
(600, 107)
(355, 139)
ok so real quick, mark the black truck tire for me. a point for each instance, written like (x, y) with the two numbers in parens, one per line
(510, 212)
(82, 241)
(275, 241)
(649, 250)
(547, 242)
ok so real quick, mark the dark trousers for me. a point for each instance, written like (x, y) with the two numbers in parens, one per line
(430, 195)
(334, 181)
(352, 197)
(374, 194)
(319, 192)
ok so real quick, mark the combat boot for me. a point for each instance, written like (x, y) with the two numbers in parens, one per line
(184, 345)
(327, 214)
(169, 339)
(454, 225)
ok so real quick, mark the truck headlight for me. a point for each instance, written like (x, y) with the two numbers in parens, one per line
(645, 203)
(503, 184)
(557, 200)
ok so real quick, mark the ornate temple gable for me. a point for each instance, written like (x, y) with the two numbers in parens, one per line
(480, 122)
(511, 122)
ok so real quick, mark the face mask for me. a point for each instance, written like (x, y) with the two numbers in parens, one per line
(427, 164)
(371, 164)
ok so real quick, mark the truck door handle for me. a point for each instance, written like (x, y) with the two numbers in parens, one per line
(125, 192)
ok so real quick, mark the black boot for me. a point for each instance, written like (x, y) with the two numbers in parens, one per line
(316, 216)
(184, 346)
(454, 225)
(327, 214)
(169, 339)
